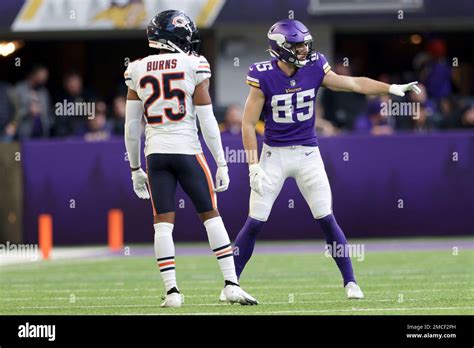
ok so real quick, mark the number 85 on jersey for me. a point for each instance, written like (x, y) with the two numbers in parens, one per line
(285, 105)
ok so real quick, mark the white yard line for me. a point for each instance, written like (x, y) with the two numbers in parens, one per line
(398, 291)
(353, 310)
(367, 310)
(73, 291)
(74, 306)
(160, 290)
(82, 298)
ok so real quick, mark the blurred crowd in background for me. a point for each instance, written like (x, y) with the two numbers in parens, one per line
(28, 107)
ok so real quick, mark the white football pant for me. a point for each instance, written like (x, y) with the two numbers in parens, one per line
(303, 163)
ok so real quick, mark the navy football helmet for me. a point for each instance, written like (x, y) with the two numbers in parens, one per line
(173, 31)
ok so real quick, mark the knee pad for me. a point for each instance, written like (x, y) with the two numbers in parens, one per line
(322, 214)
(321, 207)
(259, 211)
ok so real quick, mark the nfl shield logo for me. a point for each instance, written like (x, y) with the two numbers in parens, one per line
(292, 83)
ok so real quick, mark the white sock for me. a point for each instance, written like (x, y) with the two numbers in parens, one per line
(164, 252)
(220, 245)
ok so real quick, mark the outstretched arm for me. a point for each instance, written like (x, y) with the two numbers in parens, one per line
(364, 85)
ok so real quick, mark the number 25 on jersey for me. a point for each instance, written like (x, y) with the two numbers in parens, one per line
(166, 92)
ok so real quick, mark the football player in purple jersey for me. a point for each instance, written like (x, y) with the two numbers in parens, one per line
(284, 89)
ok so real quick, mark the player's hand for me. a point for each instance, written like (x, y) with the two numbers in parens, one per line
(401, 89)
(140, 180)
(257, 178)
(222, 179)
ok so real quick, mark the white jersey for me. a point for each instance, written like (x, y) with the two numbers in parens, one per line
(165, 84)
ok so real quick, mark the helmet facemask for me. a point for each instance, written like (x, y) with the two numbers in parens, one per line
(296, 52)
(289, 52)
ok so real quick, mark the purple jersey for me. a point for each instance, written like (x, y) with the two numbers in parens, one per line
(289, 108)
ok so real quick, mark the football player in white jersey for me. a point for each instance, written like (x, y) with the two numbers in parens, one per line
(169, 89)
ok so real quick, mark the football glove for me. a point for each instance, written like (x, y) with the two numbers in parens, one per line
(222, 179)
(257, 178)
(401, 89)
(140, 180)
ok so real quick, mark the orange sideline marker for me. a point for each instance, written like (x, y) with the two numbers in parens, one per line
(45, 234)
(115, 227)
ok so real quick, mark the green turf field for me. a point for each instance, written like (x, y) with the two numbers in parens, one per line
(408, 282)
